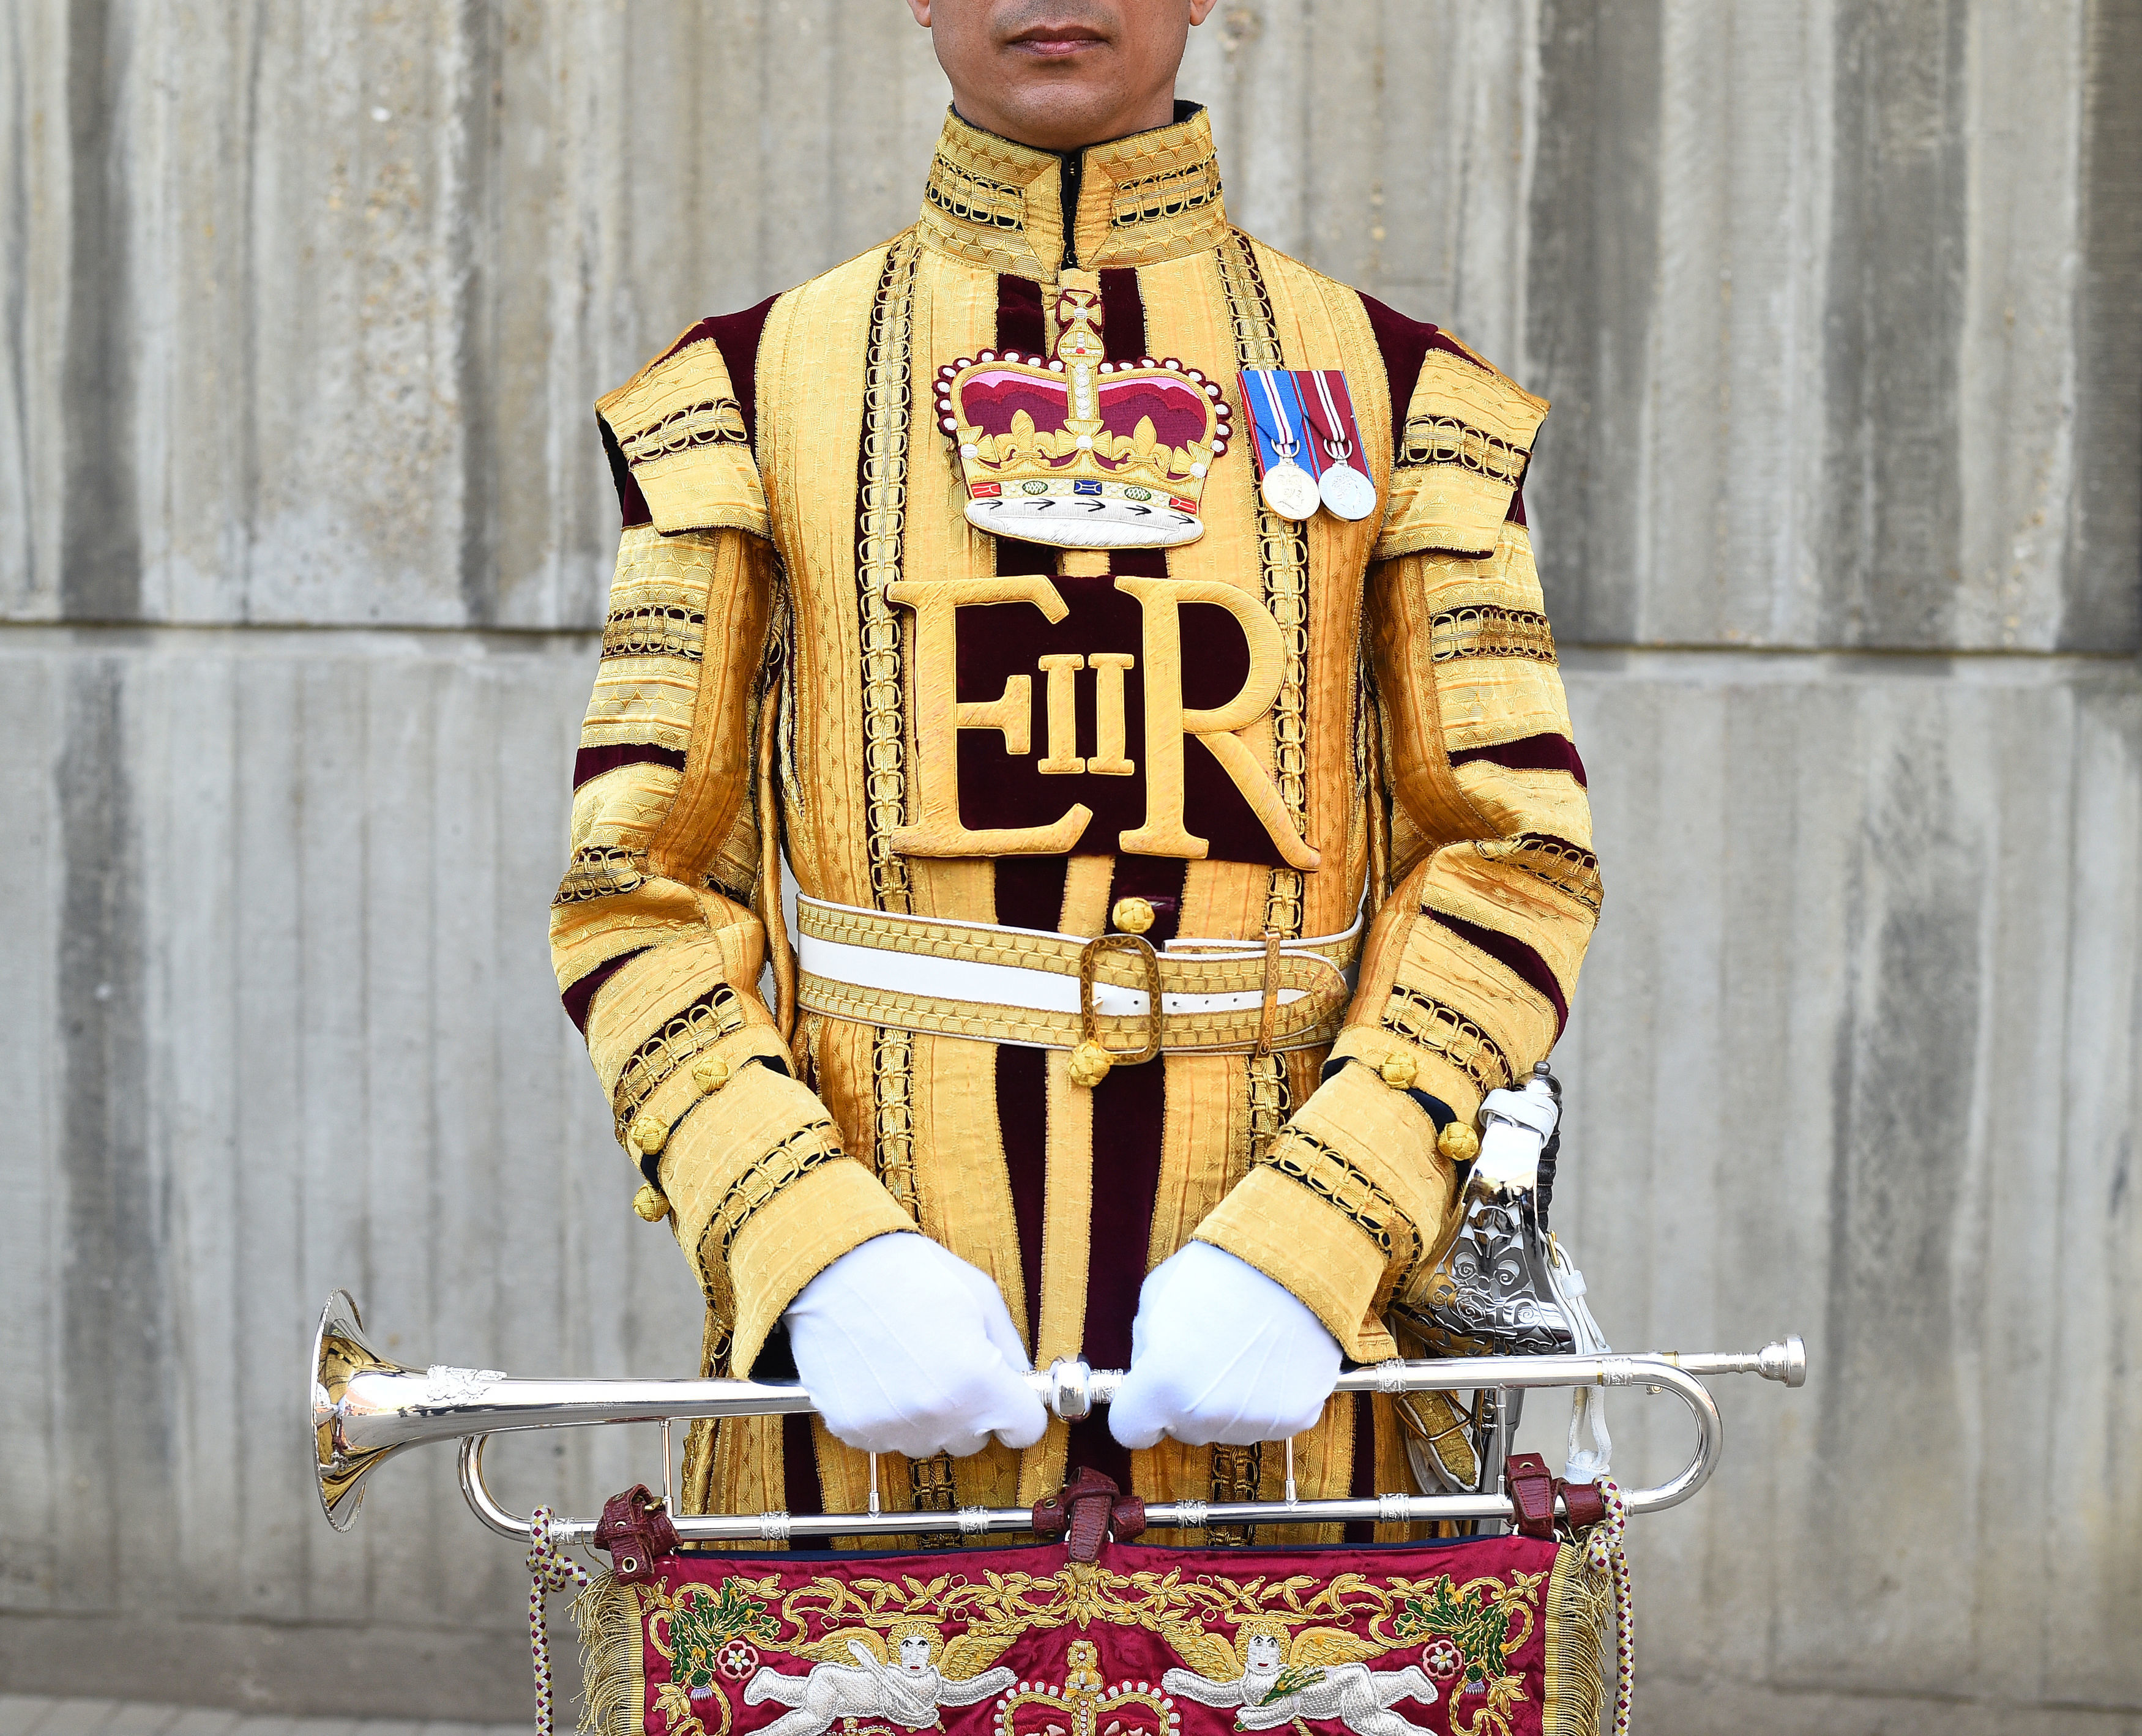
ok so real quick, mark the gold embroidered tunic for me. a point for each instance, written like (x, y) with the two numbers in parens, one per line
(1277, 729)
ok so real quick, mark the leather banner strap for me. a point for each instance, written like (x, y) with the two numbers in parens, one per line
(1534, 1490)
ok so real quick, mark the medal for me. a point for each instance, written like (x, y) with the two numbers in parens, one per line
(1345, 490)
(1288, 489)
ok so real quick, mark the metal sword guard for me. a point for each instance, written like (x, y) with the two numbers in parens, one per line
(1494, 1292)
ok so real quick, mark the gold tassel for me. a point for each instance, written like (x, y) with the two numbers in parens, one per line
(606, 1616)
(1579, 1645)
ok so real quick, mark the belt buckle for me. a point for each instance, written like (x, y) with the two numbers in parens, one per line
(1091, 1060)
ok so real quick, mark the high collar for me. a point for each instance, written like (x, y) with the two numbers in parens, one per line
(1138, 201)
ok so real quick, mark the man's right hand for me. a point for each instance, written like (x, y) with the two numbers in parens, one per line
(905, 1347)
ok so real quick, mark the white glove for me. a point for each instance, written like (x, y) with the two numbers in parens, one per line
(1219, 1352)
(905, 1348)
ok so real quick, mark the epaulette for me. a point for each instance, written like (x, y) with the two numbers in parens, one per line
(1461, 456)
(679, 426)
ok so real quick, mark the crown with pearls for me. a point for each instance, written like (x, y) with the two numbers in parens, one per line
(1079, 452)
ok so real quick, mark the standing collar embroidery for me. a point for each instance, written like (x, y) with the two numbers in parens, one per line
(1133, 201)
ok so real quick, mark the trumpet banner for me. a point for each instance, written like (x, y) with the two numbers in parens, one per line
(1504, 1636)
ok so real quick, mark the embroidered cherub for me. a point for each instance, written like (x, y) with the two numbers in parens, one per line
(906, 1688)
(1318, 1675)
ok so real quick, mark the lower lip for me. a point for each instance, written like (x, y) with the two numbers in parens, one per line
(1056, 47)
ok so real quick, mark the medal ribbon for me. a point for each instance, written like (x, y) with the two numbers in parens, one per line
(1276, 443)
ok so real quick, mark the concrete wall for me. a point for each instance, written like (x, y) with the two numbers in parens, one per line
(303, 533)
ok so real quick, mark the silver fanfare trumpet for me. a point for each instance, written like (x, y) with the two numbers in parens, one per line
(366, 1408)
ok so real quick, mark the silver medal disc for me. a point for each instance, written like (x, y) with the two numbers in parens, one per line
(1347, 492)
(1291, 491)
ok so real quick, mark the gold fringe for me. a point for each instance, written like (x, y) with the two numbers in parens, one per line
(613, 1683)
(1579, 1645)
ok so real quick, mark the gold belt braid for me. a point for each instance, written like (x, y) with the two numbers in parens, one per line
(1251, 968)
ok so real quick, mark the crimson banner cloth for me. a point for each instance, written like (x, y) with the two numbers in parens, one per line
(1502, 1636)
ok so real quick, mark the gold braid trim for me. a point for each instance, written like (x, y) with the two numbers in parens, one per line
(1238, 1474)
(601, 871)
(1426, 1022)
(1446, 440)
(1330, 1175)
(1561, 865)
(1284, 555)
(1172, 193)
(1484, 630)
(671, 624)
(881, 530)
(712, 422)
(892, 1084)
(810, 1146)
(961, 193)
(699, 1027)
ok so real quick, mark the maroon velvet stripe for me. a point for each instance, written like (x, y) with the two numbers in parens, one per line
(591, 763)
(799, 1467)
(1130, 1107)
(1528, 753)
(1030, 891)
(1363, 1484)
(631, 504)
(1123, 316)
(1019, 324)
(736, 336)
(1023, 1125)
(1514, 956)
(1404, 344)
(582, 992)
(1516, 514)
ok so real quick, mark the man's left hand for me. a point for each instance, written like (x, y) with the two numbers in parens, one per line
(1220, 1352)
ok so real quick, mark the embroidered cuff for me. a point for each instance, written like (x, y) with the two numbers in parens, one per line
(1340, 1207)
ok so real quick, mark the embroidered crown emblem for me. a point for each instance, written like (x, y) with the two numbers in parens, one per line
(1079, 452)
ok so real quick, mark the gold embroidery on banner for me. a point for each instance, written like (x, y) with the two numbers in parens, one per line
(600, 870)
(1446, 440)
(1205, 1619)
(716, 1014)
(1484, 630)
(1423, 1020)
(663, 626)
(715, 421)
(1283, 551)
(1563, 866)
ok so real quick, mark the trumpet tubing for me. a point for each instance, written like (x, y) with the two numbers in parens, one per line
(366, 1408)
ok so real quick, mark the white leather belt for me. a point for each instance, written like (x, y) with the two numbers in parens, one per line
(1024, 985)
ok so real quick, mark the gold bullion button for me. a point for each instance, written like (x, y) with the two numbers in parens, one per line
(1459, 1142)
(1399, 1069)
(650, 1203)
(1090, 1062)
(1133, 915)
(710, 1075)
(649, 1135)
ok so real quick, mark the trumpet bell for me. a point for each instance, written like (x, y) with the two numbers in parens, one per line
(340, 1355)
